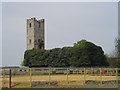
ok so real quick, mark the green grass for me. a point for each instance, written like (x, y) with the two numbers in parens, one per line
(4, 87)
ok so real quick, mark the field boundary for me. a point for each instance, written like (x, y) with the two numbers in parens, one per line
(14, 77)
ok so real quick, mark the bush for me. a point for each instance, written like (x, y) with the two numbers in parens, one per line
(71, 71)
(83, 53)
(53, 72)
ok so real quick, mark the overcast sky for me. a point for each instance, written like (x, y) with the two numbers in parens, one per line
(65, 24)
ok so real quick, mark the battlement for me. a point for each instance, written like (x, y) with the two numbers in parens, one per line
(31, 19)
(41, 20)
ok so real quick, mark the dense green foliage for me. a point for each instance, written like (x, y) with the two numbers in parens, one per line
(117, 46)
(83, 53)
(114, 57)
(40, 44)
(113, 62)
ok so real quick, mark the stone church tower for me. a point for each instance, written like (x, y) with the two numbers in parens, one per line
(35, 34)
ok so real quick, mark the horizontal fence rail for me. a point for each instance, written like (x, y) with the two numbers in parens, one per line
(47, 77)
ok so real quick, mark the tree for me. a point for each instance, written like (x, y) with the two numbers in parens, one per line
(114, 57)
(89, 54)
(117, 47)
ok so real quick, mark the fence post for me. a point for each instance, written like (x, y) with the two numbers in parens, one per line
(77, 71)
(49, 76)
(67, 75)
(84, 76)
(116, 76)
(100, 77)
(30, 77)
(103, 72)
(10, 80)
(3, 72)
(91, 71)
(107, 72)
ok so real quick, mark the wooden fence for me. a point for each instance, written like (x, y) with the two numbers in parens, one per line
(19, 77)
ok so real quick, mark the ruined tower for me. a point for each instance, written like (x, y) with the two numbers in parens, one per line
(35, 34)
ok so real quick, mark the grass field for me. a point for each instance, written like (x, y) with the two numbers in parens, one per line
(24, 80)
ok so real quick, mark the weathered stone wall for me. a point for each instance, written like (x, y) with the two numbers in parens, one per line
(30, 34)
(35, 33)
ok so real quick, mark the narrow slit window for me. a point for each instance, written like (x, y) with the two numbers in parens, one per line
(38, 40)
(30, 41)
(35, 42)
(30, 25)
(39, 24)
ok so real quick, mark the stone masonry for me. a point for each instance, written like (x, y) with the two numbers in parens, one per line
(35, 34)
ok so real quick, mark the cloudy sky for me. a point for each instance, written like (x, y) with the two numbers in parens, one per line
(65, 24)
